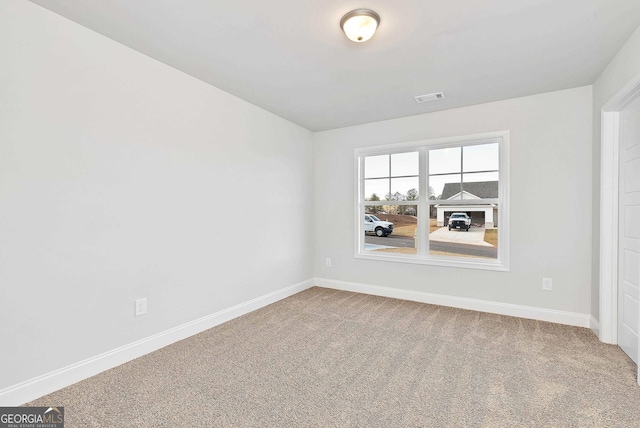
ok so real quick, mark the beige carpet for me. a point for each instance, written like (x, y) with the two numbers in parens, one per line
(327, 358)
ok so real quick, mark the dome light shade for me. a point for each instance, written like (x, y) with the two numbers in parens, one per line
(359, 25)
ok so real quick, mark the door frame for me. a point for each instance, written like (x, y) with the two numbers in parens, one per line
(609, 220)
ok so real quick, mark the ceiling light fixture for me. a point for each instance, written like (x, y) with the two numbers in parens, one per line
(359, 25)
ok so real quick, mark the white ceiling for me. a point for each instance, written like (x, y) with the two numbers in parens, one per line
(291, 58)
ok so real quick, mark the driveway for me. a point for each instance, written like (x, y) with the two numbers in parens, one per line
(475, 236)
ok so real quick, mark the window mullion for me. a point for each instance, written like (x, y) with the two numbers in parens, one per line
(461, 172)
(389, 178)
(423, 203)
(361, 205)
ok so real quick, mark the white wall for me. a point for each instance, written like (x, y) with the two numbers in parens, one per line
(622, 69)
(121, 178)
(550, 202)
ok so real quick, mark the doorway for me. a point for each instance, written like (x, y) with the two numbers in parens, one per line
(629, 230)
(619, 220)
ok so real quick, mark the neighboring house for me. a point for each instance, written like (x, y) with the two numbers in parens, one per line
(481, 214)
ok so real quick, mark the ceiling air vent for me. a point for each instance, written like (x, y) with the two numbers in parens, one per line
(429, 97)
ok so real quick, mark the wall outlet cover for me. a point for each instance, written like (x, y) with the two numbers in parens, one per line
(140, 306)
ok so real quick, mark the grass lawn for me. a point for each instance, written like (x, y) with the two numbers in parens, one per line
(408, 228)
(398, 250)
(405, 225)
(491, 236)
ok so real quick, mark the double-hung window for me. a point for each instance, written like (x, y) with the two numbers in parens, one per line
(442, 202)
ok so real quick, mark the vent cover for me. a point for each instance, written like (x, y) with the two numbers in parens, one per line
(429, 97)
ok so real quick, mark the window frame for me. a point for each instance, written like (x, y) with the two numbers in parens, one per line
(423, 203)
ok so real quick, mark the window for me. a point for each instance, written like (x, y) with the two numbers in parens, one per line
(442, 202)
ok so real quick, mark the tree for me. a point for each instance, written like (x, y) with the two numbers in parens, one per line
(399, 197)
(433, 211)
(412, 195)
(375, 209)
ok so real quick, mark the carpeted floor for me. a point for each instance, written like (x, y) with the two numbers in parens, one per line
(328, 358)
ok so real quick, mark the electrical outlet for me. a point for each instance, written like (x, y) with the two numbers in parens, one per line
(140, 306)
(328, 262)
(547, 284)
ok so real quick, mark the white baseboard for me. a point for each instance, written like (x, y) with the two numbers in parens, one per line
(37, 387)
(540, 314)
(594, 325)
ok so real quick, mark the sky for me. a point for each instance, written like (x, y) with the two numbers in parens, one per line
(399, 172)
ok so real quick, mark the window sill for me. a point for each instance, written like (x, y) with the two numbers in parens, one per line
(470, 263)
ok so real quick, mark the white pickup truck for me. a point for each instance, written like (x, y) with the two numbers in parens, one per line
(459, 221)
(377, 226)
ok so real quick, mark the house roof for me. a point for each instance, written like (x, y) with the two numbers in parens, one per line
(481, 189)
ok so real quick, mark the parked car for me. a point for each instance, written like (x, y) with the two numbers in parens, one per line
(459, 221)
(377, 226)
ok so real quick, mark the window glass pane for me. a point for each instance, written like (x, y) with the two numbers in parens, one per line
(390, 229)
(404, 189)
(444, 161)
(376, 166)
(445, 186)
(403, 164)
(480, 176)
(376, 189)
(483, 157)
(480, 185)
(468, 231)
